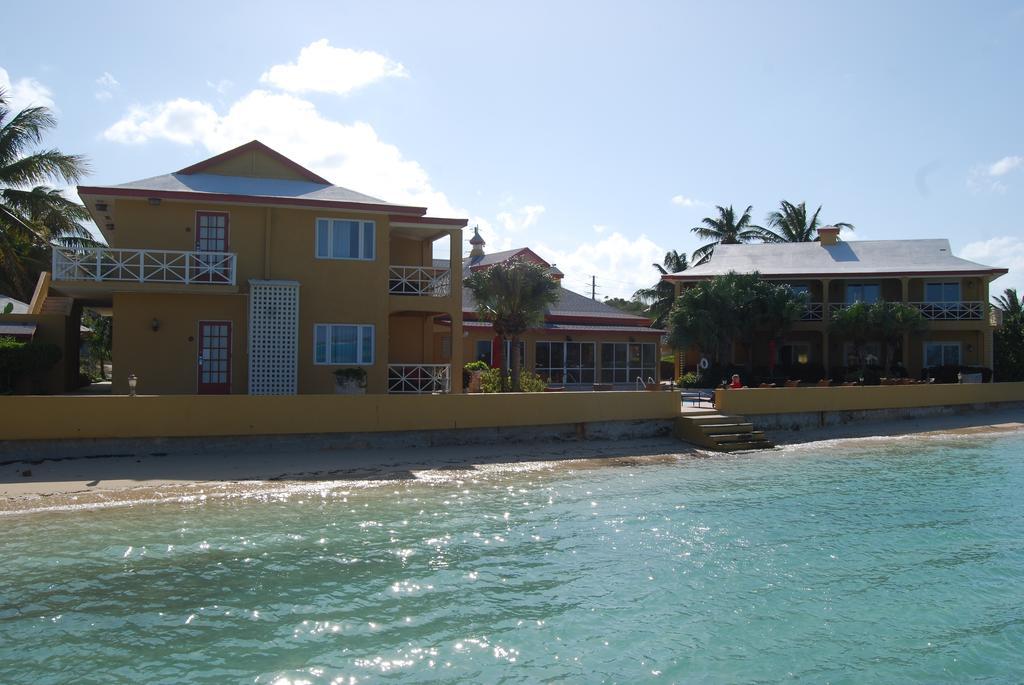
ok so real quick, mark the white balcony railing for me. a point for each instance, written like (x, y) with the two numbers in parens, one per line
(813, 311)
(936, 311)
(144, 266)
(419, 379)
(951, 311)
(419, 280)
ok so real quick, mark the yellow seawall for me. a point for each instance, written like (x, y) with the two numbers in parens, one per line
(755, 401)
(70, 417)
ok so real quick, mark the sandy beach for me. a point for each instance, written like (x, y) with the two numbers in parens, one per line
(55, 484)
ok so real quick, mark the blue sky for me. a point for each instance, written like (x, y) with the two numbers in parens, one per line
(596, 133)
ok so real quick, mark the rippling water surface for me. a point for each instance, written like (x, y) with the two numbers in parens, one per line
(873, 561)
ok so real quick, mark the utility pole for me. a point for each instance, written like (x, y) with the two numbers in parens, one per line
(593, 287)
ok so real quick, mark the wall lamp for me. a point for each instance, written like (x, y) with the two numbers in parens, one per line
(154, 202)
(155, 324)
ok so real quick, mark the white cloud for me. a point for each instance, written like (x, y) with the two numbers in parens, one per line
(107, 84)
(222, 86)
(621, 265)
(25, 92)
(348, 154)
(683, 201)
(1005, 165)
(181, 121)
(600, 228)
(1006, 251)
(988, 176)
(322, 68)
(521, 219)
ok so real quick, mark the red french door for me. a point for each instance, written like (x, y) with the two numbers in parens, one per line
(212, 237)
(214, 367)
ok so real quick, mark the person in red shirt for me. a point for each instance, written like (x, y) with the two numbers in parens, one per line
(736, 383)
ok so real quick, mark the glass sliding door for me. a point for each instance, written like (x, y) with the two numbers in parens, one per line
(625, 362)
(565, 363)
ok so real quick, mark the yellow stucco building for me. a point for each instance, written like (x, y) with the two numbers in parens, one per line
(952, 294)
(249, 274)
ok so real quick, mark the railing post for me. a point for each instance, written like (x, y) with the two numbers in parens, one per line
(234, 266)
(142, 266)
(99, 262)
(188, 268)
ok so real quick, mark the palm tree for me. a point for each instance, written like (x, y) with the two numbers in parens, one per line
(725, 229)
(33, 216)
(892, 321)
(513, 296)
(791, 225)
(1009, 302)
(660, 297)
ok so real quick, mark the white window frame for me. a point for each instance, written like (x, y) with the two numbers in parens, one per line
(361, 329)
(944, 344)
(631, 371)
(943, 284)
(565, 368)
(330, 238)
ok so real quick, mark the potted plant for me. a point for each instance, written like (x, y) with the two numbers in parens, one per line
(473, 373)
(350, 381)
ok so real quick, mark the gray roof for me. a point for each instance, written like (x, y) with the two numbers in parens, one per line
(18, 329)
(499, 257)
(596, 328)
(18, 308)
(855, 257)
(569, 303)
(245, 185)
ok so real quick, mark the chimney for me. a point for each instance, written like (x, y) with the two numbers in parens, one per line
(828, 235)
(478, 244)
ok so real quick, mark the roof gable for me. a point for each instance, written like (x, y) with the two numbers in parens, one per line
(254, 160)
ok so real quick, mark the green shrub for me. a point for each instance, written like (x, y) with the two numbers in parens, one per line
(490, 381)
(477, 366)
(20, 360)
(349, 374)
(688, 379)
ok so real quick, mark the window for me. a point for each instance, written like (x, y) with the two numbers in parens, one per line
(624, 362)
(344, 239)
(942, 354)
(342, 344)
(868, 293)
(942, 292)
(794, 353)
(569, 363)
(483, 351)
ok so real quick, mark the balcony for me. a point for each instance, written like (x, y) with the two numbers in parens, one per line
(419, 379)
(951, 311)
(107, 265)
(813, 311)
(422, 281)
(936, 311)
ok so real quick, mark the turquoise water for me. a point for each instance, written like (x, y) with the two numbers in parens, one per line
(880, 561)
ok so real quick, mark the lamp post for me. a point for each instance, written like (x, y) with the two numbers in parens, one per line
(132, 382)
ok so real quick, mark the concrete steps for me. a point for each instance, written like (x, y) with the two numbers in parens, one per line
(720, 432)
(57, 305)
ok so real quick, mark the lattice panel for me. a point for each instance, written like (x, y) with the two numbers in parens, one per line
(273, 337)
